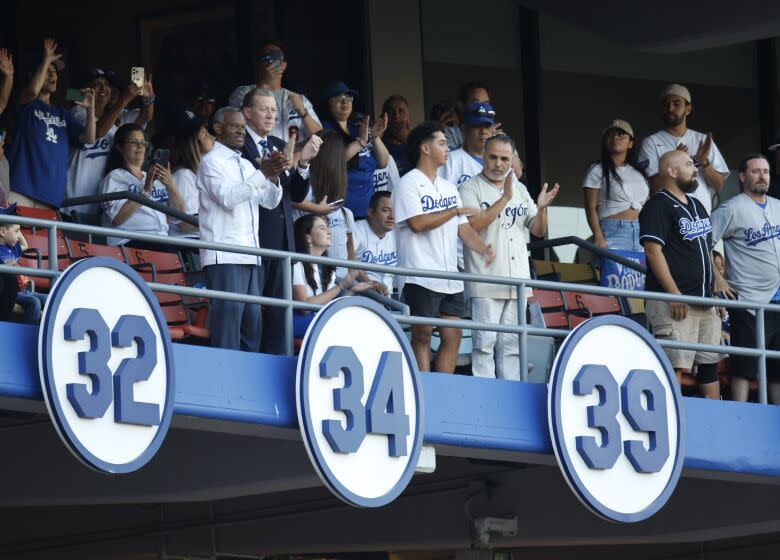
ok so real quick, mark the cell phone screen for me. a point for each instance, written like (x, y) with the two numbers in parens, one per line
(74, 95)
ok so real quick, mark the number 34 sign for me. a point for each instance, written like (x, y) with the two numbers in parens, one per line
(359, 402)
(616, 419)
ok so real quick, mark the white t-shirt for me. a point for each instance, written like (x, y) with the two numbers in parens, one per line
(188, 190)
(631, 194)
(460, 167)
(656, 145)
(340, 222)
(86, 165)
(369, 248)
(299, 279)
(436, 249)
(386, 178)
(144, 219)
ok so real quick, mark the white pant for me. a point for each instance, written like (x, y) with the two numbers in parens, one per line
(506, 345)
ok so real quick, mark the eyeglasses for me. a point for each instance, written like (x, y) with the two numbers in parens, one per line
(138, 143)
(343, 98)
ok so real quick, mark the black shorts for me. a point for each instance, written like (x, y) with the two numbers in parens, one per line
(743, 333)
(427, 303)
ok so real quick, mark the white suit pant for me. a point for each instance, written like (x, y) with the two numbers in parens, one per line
(495, 354)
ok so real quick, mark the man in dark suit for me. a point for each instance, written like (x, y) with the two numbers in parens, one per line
(270, 155)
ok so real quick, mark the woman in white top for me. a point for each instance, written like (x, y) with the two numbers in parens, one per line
(123, 173)
(328, 189)
(312, 283)
(193, 141)
(615, 190)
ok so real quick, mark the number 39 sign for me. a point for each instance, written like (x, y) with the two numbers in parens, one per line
(359, 402)
(106, 365)
(616, 419)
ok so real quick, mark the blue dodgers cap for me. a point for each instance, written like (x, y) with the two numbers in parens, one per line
(9, 210)
(335, 88)
(478, 113)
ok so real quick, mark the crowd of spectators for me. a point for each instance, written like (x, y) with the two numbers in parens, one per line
(267, 170)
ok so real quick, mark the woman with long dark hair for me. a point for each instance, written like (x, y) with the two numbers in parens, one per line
(366, 152)
(312, 283)
(328, 178)
(615, 190)
(193, 141)
(123, 173)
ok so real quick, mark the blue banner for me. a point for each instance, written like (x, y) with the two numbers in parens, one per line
(615, 275)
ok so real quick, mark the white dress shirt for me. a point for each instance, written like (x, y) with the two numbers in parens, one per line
(230, 190)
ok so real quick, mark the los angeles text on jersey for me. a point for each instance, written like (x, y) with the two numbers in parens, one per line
(430, 204)
(755, 236)
(691, 229)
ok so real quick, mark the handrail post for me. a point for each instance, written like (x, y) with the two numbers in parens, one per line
(521, 306)
(761, 345)
(288, 310)
(53, 264)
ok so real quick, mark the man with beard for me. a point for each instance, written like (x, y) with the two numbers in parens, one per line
(676, 106)
(749, 225)
(507, 210)
(676, 233)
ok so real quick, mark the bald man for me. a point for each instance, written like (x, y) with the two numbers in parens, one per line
(676, 233)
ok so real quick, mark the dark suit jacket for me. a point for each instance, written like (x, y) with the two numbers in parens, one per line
(276, 228)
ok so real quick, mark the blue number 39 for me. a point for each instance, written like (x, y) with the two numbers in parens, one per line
(651, 419)
(384, 412)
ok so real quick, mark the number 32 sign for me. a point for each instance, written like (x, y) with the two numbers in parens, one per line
(106, 366)
(616, 419)
(359, 402)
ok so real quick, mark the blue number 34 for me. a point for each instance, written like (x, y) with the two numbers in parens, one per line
(383, 412)
(651, 419)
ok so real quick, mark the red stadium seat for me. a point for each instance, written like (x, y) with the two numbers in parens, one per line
(41, 214)
(82, 249)
(37, 256)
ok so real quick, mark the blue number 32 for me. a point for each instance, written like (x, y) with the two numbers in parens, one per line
(108, 388)
(651, 419)
(384, 411)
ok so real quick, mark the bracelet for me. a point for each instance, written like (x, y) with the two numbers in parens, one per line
(706, 164)
(457, 211)
(306, 114)
(148, 100)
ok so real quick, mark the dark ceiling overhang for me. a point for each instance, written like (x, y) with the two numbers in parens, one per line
(668, 27)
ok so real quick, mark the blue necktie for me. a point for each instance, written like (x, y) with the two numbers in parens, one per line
(264, 145)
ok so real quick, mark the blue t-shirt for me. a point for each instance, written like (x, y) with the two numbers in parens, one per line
(360, 176)
(9, 252)
(39, 154)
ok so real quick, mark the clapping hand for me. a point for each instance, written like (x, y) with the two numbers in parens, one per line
(273, 165)
(546, 196)
(363, 130)
(6, 63)
(310, 149)
(379, 126)
(703, 153)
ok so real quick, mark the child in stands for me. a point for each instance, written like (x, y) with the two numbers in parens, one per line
(12, 245)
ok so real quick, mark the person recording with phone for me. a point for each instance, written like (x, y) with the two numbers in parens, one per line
(39, 155)
(86, 166)
(124, 173)
(296, 116)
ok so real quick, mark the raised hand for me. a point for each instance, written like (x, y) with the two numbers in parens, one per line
(50, 50)
(703, 153)
(546, 196)
(363, 131)
(89, 99)
(311, 148)
(273, 166)
(148, 89)
(682, 147)
(379, 126)
(6, 63)
(509, 185)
